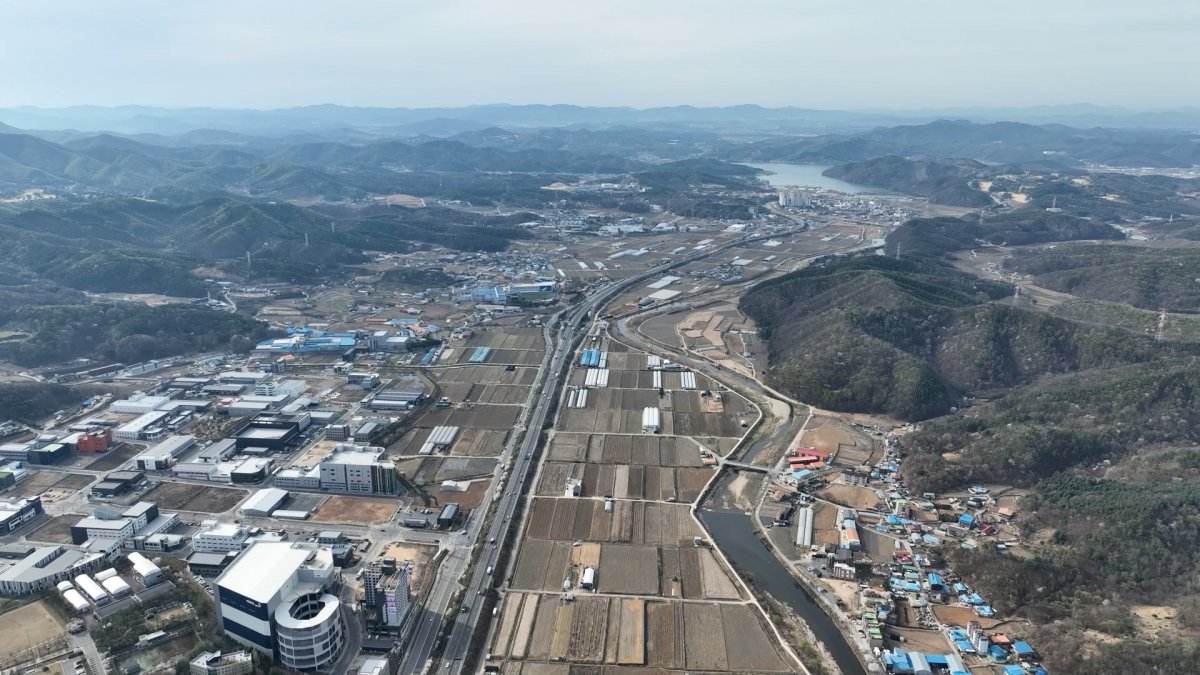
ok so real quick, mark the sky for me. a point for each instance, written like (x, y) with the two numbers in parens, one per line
(834, 54)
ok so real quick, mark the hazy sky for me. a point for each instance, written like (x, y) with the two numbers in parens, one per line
(813, 53)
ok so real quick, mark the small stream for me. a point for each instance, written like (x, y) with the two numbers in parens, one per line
(733, 533)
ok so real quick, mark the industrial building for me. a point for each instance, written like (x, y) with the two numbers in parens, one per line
(250, 471)
(395, 400)
(216, 663)
(15, 512)
(210, 564)
(217, 537)
(45, 567)
(43, 450)
(93, 441)
(387, 597)
(299, 479)
(146, 427)
(359, 469)
(219, 451)
(138, 404)
(264, 502)
(118, 483)
(140, 526)
(448, 516)
(280, 599)
(651, 421)
(272, 433)
(306, 340)
(162, 455)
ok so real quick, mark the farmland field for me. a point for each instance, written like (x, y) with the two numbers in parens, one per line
(717, 584)
(661, 635)
(702, 623)
(747, 645)
(628, 569)
(588, 629)
(632, 644)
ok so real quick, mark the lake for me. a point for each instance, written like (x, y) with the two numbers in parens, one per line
(807, 175)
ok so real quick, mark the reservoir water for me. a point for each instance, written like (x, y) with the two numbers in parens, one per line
(732, 532)
(783, 174)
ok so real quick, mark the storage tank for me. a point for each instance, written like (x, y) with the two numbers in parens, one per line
(117, 587)
(76, 601)
(105, 574)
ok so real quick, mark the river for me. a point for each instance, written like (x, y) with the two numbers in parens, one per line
(783, 174)
(733, 533)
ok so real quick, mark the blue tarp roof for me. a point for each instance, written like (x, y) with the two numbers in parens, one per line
(936, 659)
(957, 634)
(975, 599)
(930, 539)
(984, 610)
(960, 587)
(964, 646)
(1022, 648)
(966, 519)
(997, 652)
(803, 473)
(1014, 670)
(912, 586)
(935, 579)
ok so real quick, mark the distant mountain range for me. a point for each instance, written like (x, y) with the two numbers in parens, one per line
(323, 120)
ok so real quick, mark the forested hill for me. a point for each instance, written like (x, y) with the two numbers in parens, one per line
(125, 332)
(934, 237)
(942, 182)
(1151, 278)
(908, 338)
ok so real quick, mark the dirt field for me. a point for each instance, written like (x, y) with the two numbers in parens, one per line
(858, 498)
(201, 498)
(355, 510)
(419, 554)
(114, 458)
(41, 482)
(57, 530)
(953, 615)
(26, 626)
